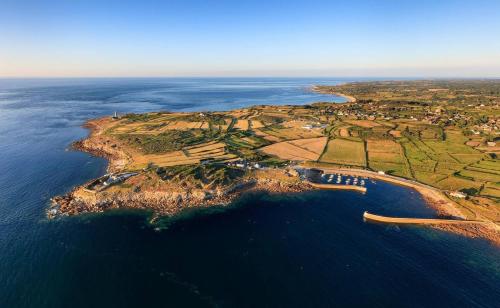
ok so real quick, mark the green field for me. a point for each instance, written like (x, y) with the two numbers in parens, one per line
(344, 152)
(435, 132)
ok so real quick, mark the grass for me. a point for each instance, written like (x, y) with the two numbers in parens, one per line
(167, 141)
(290, 133)
(345, 152)
(205, 176)
(491, 190)
(429, 177)
(433, 154)
(382, 145)
(390, 168)
(441, 162)
(488, 164)
(457, 183)
(388, 156)
(480, 176)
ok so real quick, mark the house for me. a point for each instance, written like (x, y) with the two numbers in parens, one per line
(458, 194)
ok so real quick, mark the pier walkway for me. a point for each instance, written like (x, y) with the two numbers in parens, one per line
(419, 221)
(357, 188)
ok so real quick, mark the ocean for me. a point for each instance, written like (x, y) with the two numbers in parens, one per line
(308, 249)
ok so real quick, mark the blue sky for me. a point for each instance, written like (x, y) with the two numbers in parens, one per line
(250, 38)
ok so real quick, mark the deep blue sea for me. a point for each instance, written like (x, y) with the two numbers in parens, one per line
(309, 249)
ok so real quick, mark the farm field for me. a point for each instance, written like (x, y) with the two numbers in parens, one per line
(387, 155)
(291, 133)
(449, 141)
(444, 158)
(403, 138)
(491, 190)
(448, 131)
(345, 152)
(168, 140)
(242, 124)
(188, 156)
(315, 145)
(297, 150)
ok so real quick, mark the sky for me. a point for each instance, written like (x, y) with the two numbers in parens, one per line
(73, 38)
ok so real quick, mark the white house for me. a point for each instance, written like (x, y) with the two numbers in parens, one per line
(458, 194)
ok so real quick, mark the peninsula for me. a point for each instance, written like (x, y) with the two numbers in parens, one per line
(438, 137)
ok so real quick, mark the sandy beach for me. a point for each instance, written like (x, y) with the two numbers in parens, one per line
(350, 99)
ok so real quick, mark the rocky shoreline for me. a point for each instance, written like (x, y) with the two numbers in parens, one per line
(98, 145)
(164, 202)
(167, 200)
(172, 198)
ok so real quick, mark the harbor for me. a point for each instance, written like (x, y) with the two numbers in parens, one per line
(335, 181)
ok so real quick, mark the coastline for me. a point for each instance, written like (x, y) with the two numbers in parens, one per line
(173, 198)
(349, 98)
(433, 196)
(436, 199)
(167, 200)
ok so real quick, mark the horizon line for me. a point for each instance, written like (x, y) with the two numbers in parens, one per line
(243, 76)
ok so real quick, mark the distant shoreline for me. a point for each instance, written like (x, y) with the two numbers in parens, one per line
(350, 99)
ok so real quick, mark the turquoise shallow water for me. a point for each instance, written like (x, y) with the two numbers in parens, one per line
(297, 250)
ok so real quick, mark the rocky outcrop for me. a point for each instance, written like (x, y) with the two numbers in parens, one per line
(99, 145)
(165, 202)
